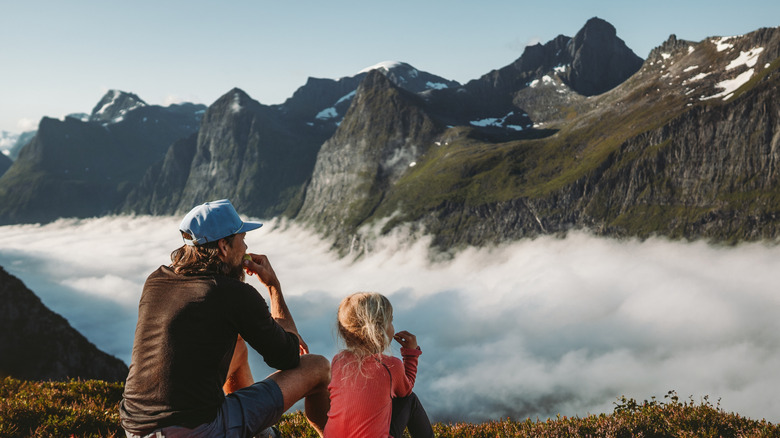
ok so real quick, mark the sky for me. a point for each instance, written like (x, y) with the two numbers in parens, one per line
(529, 329)
(59, 58)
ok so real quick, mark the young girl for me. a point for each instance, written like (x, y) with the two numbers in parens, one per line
(371, 393)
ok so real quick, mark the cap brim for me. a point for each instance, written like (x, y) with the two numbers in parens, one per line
(249, 226)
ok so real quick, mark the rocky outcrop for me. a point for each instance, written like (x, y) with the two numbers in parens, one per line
(38, 344)
(385, 131)
(599, 60)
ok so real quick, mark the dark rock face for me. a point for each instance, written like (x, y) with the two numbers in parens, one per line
(244, 151)
(159, 192)
(599, 59)
(5, 164)
(385, 131)
(38, 344)
(317, 95)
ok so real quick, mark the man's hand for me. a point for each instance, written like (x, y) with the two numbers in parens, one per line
(260, 266)
(406, 339)
(303, 348)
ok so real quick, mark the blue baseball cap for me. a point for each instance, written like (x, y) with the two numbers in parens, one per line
(212, 221)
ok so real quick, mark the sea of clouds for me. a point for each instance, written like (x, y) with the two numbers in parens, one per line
(533, 328)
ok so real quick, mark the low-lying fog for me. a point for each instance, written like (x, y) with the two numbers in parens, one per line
(531, 329)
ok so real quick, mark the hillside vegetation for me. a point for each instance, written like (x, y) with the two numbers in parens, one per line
(90, 409)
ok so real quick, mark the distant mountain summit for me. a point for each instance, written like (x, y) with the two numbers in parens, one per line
(599, 60)
(558, 74)
(114, 105)
(77, 168)
(409, 78)
(325, 101)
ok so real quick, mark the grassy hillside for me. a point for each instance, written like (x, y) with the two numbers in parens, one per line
(89, 408)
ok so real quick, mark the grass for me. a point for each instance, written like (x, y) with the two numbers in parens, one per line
(90, 409)
(470, 172)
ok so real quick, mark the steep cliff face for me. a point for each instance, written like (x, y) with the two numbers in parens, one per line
(5, 164)
(244, 151)
(38, 344)
(385, 131)
(159, 191)
(711, 172)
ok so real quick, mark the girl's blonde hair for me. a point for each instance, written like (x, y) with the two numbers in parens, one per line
(363, 319)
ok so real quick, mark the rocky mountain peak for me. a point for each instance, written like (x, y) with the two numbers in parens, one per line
(671, 45)
(324, 102)
(409, 78)
(596, 28)
(114, 105)
(599, 59)
(230, 104)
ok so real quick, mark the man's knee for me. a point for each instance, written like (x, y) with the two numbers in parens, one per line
(317, 367)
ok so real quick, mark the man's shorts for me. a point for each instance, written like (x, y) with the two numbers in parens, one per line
(244, 413)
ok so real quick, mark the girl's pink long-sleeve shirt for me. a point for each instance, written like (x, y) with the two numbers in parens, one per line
(361, 401)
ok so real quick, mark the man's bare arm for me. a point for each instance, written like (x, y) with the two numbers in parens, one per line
(260, 266)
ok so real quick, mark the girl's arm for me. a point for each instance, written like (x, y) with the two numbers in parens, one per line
(410, 351)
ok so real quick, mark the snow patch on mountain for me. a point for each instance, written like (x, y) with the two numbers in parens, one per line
(722, 43)
(496, 122)
(435, 85)
(349, 96)
(546, 79)
(749, 58)
(730, 85)
(327, 113)
(698, 77)
(384, 65)
(236, 105)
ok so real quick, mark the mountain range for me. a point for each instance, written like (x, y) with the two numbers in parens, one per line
(578, 132)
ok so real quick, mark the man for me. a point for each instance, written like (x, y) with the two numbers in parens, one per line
(193, 315)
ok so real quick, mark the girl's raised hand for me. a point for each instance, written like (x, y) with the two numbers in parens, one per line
(406, 339)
